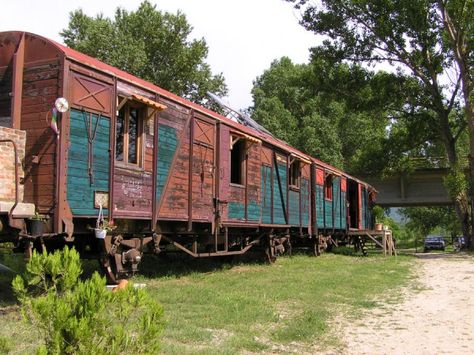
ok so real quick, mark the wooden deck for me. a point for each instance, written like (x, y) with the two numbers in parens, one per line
(387, 244)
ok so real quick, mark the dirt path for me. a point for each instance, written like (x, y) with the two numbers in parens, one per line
(439, 319)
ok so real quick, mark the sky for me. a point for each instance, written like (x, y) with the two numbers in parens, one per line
(243, 36)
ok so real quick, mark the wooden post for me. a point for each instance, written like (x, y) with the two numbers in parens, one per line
(384, 242)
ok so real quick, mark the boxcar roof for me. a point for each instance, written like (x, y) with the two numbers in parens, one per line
(84, 59)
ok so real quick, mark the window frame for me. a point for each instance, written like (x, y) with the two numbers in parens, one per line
(141, 111)
(235, 139)
(294, 172)
(328, 188)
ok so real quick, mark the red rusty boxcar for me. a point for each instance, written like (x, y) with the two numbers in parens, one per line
(167, 173)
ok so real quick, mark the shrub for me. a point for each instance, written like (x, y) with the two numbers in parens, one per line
(83, 317)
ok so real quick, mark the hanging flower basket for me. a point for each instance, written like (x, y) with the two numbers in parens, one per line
(102, 225)
(100, 233)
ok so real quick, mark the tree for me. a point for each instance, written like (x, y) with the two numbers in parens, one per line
(150, 44)
(431, 40)
(425, 219)
(329, 109)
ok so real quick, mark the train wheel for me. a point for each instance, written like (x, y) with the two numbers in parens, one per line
(289, 248)
(315, 249)
(270, 252)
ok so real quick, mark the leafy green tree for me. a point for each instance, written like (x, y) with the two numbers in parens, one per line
(423, 220)
(328, 109)
(150, 44)
(430, 40)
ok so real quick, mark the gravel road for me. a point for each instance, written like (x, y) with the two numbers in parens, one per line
(438, 318)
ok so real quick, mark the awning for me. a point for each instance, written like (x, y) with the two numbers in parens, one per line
(241, 135)
(149, 102)
(300, 158)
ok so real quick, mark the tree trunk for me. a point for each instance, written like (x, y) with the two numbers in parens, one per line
(459, 44)
(461, 206)
(470, 119)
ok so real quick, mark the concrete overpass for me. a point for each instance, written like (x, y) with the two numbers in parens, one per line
(422, 187)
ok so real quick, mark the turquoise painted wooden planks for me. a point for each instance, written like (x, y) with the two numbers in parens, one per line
(280, 202)
(253, 212)
(80, 187)
(320, 206)
(294, 208)
(305, 198)
(266, 190)
(236, 211)
(336, 183)
(167, 146)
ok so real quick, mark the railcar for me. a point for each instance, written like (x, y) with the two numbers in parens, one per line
(169, 174)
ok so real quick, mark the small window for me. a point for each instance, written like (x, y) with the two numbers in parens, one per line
(128, 135)
(237, 161)
(328, 187)
(295, 173)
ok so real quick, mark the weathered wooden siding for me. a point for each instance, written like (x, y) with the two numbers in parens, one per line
(280, 200)
(40, 89)
(266, 190)
(328, 213)
(336, 183)
(223, 174)
(173, 161)
(319, 206)
(203, 170)
(80, 185)
(305, 201)
(237, 209)
(167, 145)
(253, 182)
(132, 193)
(294, 207)
(366, 212)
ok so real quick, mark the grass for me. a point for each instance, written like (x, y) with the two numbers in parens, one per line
(256, 307)
(221, 308)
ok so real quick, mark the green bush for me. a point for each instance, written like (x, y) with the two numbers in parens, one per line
(83, 317)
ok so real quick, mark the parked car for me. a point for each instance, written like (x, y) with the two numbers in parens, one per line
(434, 242)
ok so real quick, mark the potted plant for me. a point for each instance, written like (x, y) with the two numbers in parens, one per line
(103, 226)
(379, 215)
(36, 224)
